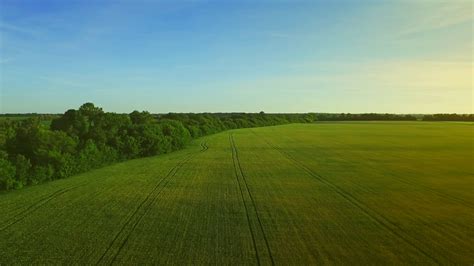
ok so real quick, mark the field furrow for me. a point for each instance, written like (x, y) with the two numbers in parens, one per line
(263, 256)
(121, 238)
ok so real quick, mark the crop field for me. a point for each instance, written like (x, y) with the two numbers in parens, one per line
(324, 193)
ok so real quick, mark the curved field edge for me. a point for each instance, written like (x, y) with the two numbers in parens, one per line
(295, 194)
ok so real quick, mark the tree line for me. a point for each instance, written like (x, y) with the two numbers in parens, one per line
(393, 117)
(80, 140)
(32, 151)
(449, 117)
(364, 117)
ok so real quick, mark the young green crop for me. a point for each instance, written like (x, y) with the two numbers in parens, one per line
(325, 193)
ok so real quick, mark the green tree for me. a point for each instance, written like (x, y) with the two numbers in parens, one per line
(141, 117)
(7, 174)
(23, 167)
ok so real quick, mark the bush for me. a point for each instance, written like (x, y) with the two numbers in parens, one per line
(7, 174)
(41, 174)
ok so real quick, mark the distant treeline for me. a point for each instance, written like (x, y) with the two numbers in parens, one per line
(317, 116)
(392, 117)
(32, 152)
(364, 117)
(449, 117)
(29, 115)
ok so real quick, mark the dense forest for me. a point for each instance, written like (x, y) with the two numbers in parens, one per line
(33, 152)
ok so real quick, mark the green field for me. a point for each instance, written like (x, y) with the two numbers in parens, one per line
(325, 193)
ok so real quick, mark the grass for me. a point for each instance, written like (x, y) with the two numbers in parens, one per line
(327, 193)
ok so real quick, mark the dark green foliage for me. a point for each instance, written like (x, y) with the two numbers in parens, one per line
(7, 174)
(175, 132)
(41, 174)
(141, 117)
(72, 122)
(88, 138)
(23, 167)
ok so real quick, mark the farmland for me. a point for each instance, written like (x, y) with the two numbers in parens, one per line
(324, 193)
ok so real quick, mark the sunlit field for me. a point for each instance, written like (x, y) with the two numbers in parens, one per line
(324, 193)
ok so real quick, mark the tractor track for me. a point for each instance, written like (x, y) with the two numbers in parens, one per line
(243, 200)
(374, 215)
(239, 172)
(45, 199)
(35, 206)
(146, 203)
(448, 197)
(407, 181)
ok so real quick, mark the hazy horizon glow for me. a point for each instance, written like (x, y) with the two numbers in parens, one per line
(242, 56)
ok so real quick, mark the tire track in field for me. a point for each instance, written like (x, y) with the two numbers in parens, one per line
(40, 202)
(435, 227)
(135, 218)
(407, 181)
(239, 172)
(401, 179)
(35, 206)
(243, 199)
(440, 194)
(45, 199)
(372, 214)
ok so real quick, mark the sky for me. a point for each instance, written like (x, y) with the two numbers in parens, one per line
(237, 56)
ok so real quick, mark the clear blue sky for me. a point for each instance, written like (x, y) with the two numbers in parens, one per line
(221, 56)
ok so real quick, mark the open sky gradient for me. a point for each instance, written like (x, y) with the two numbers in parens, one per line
(222, 56)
